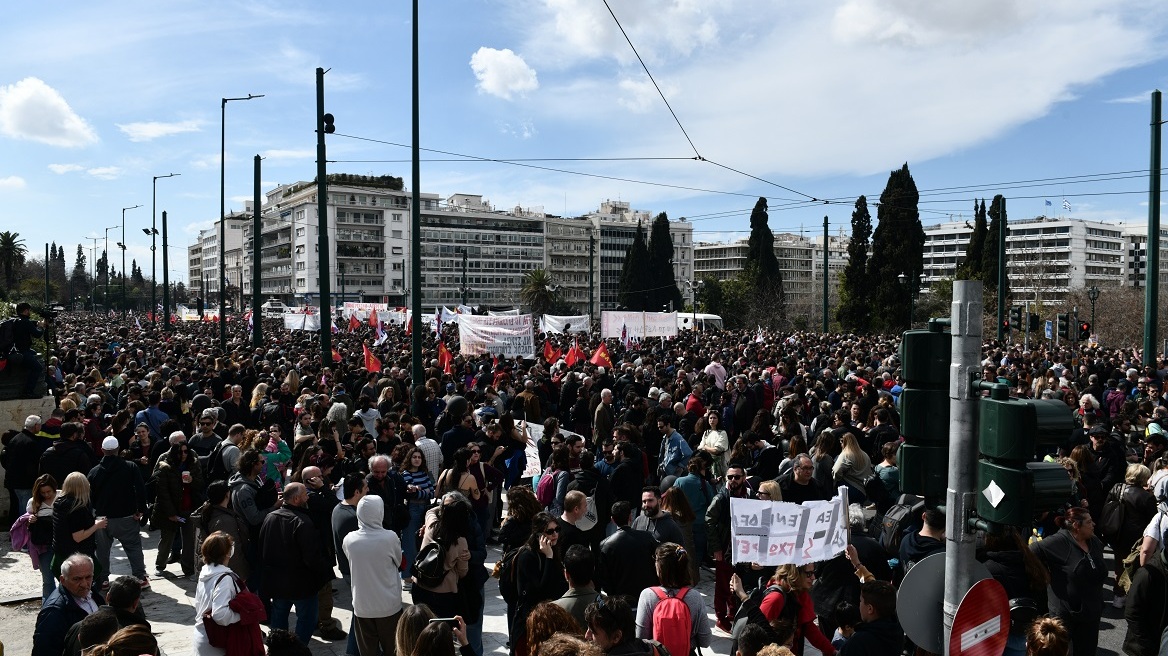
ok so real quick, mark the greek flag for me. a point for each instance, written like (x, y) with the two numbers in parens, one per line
(1048, 203)
(1066, 205)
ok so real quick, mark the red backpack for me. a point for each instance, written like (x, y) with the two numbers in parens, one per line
(545, 490)
(672, 622)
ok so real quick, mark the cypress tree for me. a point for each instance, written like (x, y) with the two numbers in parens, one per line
(762, 274)
(663, 285)
(897, 244)
(989, 267)
(854, 311)
(634, 280)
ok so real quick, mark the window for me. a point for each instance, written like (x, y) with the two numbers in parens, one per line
(300, 266)
(396, 234)
(300, 232)
(398, 250)
(397, 217)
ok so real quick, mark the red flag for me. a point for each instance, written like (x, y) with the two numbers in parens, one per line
(600, 357)
(371, 361)
(444, 357)
(353, 323)
(548, 353)
(409, 323)
(575, 354)
(373, 322)
(336, 356)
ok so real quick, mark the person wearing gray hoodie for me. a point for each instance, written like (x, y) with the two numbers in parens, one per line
(374, 555)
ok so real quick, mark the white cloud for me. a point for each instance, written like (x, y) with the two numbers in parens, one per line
(32, 110)
(148, 130)
(640, 96)
(206, 161)
(61, 169)
(502, 73)
(1135, 99)
(524, 130)
(105, 172)
(12, 183)
(288, 153)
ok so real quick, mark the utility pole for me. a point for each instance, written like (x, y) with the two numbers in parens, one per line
(1152, 291)
(826, 242)
(961, 495)
(322, 242)
(165, 278)
(47, 268)
(93, 268)
(1002, 270)
(257, 315)
(591, 277)
(464, 289)
(415, 214)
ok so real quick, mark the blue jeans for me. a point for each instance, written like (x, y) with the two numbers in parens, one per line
(22, 498)
(48, 583)
(474, 637)
(409, 536)
(306, 616)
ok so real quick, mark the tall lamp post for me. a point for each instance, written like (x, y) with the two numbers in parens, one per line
(1093, 294)
(223, 216)
(105, 254)
(912, 284)
(93, 268)
(341, 268)
(153, 232)
(122, 245)
(694, 286)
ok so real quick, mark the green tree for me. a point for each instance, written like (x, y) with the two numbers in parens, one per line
(971, 267)
(856, 286)
(634, 280)
(711, 297)
(539, 292)
(137, 280)
(663, 291)
(78, 278)
(12, 252)
(761, 272)
(989, 267)
(897, 245)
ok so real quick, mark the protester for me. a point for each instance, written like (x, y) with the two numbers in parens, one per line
(539, 576)
(74, 526)
(179, 489)
(40, 530)
(626, 565)
(288, 542)
(1074, 557)
(374, 556)
(675, 577)
(218, 585)
(118, 494)
(70, 603)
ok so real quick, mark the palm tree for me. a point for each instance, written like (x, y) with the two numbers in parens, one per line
(12, 252)
(539, 292)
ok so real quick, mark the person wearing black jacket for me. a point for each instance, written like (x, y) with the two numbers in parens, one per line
(1011, 563)
(68, 454)
(628, 478)
(321, 501)
(879, 633)
(835, 579)
(626, 565)
(539, 576)
(1074, 558)
(718, 541)
(1110, 459)
(294, 563)
(118, 493)
(1146, 608)
(593, 484)
(19, 459)
(23, 333)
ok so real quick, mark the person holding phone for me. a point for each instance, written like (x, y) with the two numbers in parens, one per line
(539, 576)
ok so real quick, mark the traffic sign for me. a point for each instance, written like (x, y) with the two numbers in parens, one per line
(982, 623)
(1049, 329)
(920, 601)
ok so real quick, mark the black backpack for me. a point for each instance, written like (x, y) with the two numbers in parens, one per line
(897, 522)
(505, 571)
(429, 568)
(7, 336)
(216, 468)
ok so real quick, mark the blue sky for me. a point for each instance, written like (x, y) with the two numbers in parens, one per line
(823, 97)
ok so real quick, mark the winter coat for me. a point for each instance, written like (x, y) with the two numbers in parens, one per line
(289, 543)
(208, 519)
(1146, 610)
(169, 490)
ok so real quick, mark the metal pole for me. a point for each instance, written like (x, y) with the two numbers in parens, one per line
(826, 241)
(123, 247)
(1026, 335)
(322, 242)
(1001, 270)
(153, 245)
(223, 219)
(47, 302)
(960, 497)
(464, 289)
(415, 216)
(93, 268)
(591, 277)
(165, 278)
(1152, 292)
(257, 333)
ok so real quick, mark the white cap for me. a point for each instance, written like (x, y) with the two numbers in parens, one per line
(110, 444)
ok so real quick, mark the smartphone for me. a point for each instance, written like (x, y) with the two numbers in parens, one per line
(452, 620)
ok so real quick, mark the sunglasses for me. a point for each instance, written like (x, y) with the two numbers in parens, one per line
(473, 451)
(552, 531)
(734, 477)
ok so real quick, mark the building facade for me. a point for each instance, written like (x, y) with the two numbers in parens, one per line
(616, 224)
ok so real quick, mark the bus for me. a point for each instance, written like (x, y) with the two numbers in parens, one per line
(687, 321)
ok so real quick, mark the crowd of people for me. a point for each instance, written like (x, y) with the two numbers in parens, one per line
(603, 488)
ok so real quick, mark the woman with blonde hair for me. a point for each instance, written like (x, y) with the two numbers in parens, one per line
(74, 527)
(853, 466)
(258, 395)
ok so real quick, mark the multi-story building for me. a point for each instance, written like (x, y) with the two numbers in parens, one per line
(616, 225)
(1136, 255)
(570, 258)
(800, 262)
(368, 224)
(203, 258)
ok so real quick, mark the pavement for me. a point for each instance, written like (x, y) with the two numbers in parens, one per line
(169, 605)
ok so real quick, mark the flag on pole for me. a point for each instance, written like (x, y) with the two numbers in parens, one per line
(575, 354)
(444, 357)
(353, 323)
(371, 361)
(138, 323)
(373, 322)
(438, 321)
(381, 336)
(1066, 205)
(250, 323)
(758, 338)
(601, 358)
(336, 356)
(625, 336)
(550, 354)
(409, 323)
(1048, 203)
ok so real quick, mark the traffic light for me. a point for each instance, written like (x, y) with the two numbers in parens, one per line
(1064, 326)
(1084, 331)
(924, 411)
(1015, 318)
(1013, 487)
(1035, 321)
(329, 128)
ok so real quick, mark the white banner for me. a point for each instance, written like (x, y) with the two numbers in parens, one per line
(778, 533)
(449, 316)
(637, 325)
(503, 313)
(510, 336)
(301, 321)
(362, 310)
(573, 324)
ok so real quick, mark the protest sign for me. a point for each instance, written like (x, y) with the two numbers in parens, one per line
(509, 335)
(301, 321)
(637, 325)
(780, 533)
(566, 324)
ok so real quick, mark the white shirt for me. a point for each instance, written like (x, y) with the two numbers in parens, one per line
(433, 454)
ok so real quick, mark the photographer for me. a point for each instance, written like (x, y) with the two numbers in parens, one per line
(23, 333)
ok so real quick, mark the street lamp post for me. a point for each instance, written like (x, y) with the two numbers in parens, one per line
(105, 254)
(341, 267)
(122, 245)
(912, 284)
(223, 216)
(694, 286)
(153, 232)
(1093, 294)
(93, 268)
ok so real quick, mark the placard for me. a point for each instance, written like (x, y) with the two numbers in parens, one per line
(780, 533)
(567, 324)
(510, 336)
(301, 321)
(637, 325)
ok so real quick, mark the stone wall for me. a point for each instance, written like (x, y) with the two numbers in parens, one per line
(12, 414)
